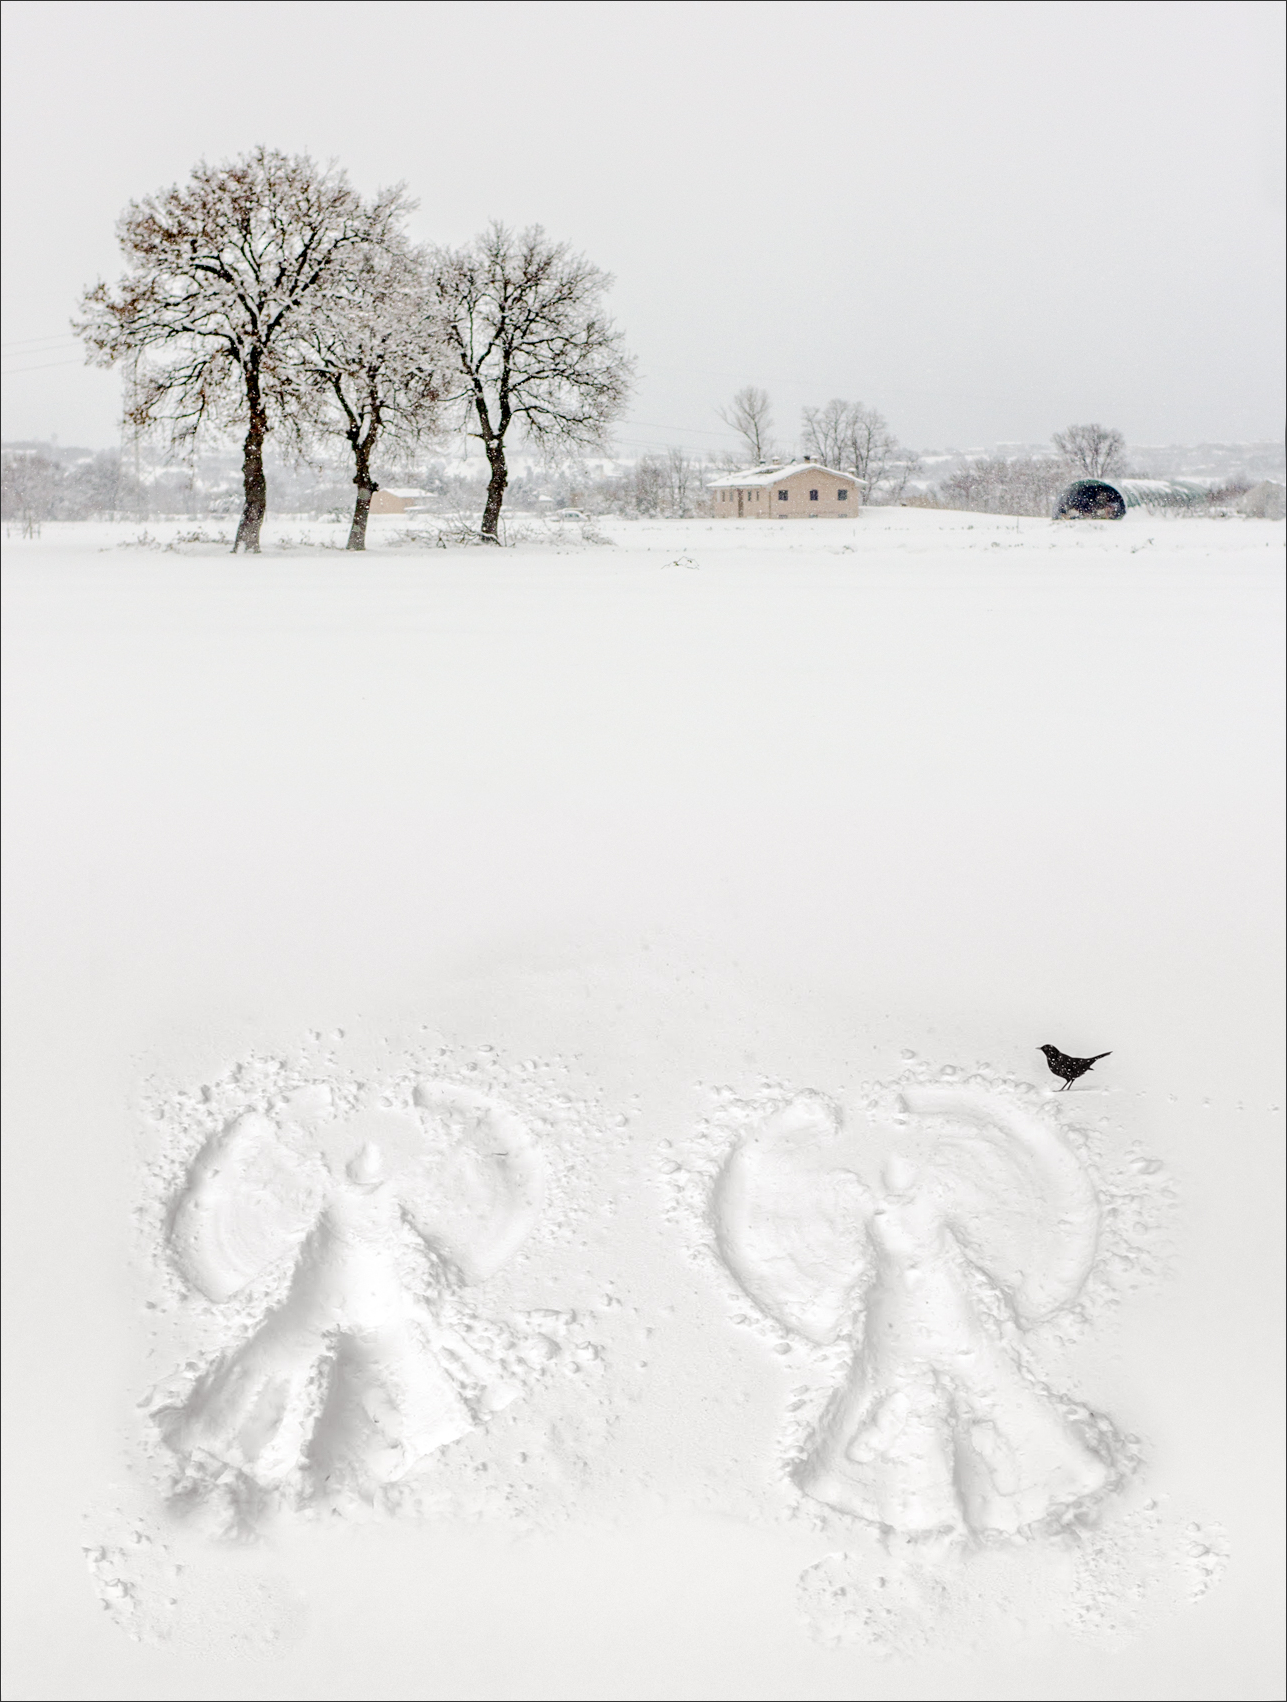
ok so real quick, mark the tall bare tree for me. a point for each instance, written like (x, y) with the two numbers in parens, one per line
(1096, 450)
(524, 321)
(825, 433)
(856, 439)
(750, 414)
(375, 369)
(221, 273)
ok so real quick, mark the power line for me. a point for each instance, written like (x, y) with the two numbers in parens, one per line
(26, 342)
(14, 371)
(659, 425)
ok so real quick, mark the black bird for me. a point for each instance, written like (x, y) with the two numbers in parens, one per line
(1069, 1068)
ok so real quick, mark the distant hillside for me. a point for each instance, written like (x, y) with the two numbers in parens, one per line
(1212, 463)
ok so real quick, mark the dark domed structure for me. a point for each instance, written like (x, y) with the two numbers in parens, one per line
(1090, 499)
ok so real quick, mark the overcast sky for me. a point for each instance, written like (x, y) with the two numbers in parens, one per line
(987, 220)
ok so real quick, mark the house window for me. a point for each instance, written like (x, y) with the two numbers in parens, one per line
(813, 496)
(842, 496)
(782, 496)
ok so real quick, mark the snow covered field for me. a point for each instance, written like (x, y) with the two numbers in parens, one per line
(529, 1168)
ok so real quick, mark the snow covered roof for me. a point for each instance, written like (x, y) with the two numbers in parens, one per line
(1143, 491)
(749, 477)
(1148, 493)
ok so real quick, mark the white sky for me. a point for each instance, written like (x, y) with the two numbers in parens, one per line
(985, 219)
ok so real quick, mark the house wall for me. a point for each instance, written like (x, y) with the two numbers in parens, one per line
(384, 502)
(828, 506)
(755, 504)
(760, 503)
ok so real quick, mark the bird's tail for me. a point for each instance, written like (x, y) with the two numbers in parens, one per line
(1100, 1055)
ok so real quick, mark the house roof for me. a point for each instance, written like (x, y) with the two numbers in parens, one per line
(750, 477)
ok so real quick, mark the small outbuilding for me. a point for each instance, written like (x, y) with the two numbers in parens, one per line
(798, 490)
(1090, 499)
(394, 501)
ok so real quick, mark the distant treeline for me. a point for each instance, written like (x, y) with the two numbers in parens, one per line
(40, 487)
(1029, 485)
(37, 487)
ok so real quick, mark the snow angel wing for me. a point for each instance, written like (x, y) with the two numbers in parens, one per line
(1016, 1196)
(248, 1201)
(478, 1187)
(790, 1222)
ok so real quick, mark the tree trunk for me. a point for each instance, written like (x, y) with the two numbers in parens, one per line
(252, 469)
(366, 489)
(495, 491)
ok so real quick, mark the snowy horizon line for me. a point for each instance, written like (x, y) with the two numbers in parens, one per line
(1000, 446)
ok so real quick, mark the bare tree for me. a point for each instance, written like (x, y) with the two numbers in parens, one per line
(650, 485)
(1095, 450)
(523, 319)
(999, 486)
(857, 440)
(36, 488)
(372, 363)
(29, 490)
(220, 275)
(750, 416)
(882, 465)
(826, 431)
(683, 476)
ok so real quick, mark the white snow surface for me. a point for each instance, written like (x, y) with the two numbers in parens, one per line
(529, 1168)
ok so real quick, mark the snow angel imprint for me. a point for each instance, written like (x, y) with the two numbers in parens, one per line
(368, 1362)
(940, 1424)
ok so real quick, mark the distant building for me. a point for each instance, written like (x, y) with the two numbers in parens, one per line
(1163, 493)
(800, 490)
(1090, 499)
(1108, 499)
(386, 501)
